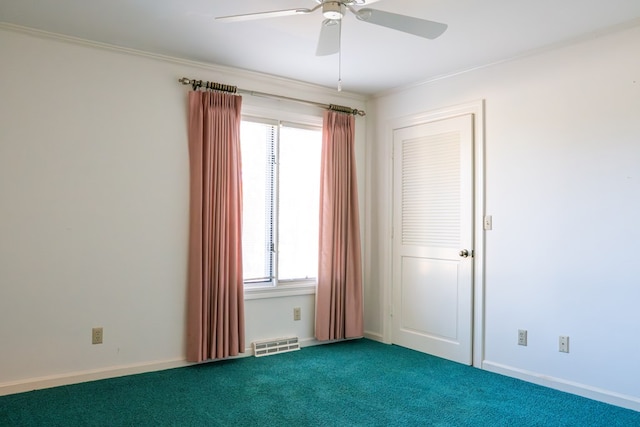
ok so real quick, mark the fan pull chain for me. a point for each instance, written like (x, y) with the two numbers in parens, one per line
(340, 56)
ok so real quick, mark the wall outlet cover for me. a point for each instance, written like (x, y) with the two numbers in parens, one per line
(522, 337)
(563, 343)
(96, 336)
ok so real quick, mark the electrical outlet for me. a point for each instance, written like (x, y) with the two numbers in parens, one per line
(96, 336)
(296, 313)
(522, 337)
(563, 344)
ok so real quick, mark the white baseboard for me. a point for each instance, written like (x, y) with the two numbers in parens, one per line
(84, 376)
(595, 393)
(309, 342)
(374, 336)
(31, 384)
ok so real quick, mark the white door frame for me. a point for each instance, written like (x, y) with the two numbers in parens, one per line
(477, 109)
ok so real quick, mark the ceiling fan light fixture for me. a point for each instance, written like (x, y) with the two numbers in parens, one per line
(333, 10)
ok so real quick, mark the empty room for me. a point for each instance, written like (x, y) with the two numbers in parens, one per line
(313, 212)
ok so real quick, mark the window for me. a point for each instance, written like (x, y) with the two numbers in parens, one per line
(281, 184)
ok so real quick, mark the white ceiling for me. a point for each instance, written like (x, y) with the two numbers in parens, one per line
(374, 59)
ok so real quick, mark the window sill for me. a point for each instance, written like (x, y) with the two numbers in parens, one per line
(290, 289)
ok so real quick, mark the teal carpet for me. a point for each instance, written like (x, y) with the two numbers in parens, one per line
(355, 383)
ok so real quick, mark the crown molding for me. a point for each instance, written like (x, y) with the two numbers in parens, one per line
(267, 79)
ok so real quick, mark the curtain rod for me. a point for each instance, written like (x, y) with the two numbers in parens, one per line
(234, 89)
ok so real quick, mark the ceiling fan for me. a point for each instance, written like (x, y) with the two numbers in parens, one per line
(333, 12)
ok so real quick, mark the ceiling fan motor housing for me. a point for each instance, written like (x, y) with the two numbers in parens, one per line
(333, 9)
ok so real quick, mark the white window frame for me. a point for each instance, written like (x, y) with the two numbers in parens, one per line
(280, 288)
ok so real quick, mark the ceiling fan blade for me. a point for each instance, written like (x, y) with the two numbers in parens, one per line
(261, 15)
(329, 42)
(408, 24)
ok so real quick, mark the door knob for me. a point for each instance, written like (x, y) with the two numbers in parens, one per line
(464, 253)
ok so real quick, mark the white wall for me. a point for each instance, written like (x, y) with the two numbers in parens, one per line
(94, 209)
(563, 186)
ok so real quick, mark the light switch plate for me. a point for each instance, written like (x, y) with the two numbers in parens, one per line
(488, 222)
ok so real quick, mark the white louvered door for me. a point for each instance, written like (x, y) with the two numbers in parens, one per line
(433, 226)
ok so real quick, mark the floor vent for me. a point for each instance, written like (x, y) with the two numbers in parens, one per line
(280, 345)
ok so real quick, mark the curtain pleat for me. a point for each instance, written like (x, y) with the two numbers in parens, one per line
(215, 312)
(339, 305)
